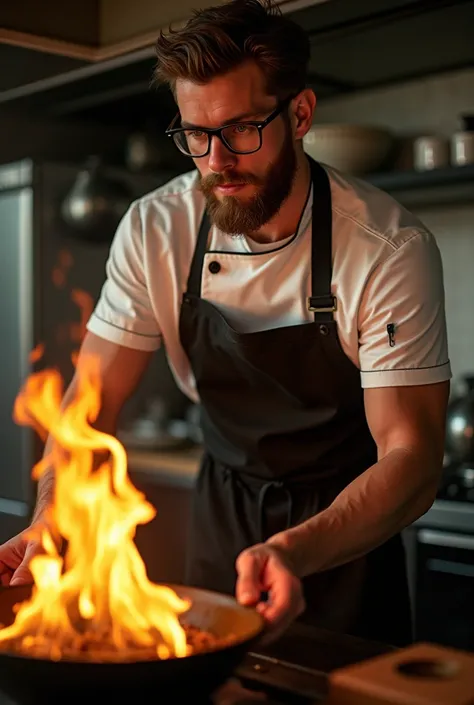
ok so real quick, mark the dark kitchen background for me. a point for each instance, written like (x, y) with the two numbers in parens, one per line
(78, 116)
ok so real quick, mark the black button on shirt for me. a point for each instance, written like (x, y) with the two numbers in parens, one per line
(214, 267)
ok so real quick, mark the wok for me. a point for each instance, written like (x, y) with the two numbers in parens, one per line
(34, 681)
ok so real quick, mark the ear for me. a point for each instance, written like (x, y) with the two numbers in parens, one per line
(303, 107)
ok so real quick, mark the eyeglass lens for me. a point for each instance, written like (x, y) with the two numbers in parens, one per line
(239, 137)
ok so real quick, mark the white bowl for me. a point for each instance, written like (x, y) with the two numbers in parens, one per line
(358, 149)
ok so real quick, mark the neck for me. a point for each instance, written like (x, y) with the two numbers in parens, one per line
(285, 222)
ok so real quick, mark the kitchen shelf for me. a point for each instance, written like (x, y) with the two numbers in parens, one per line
(439, 187)
(359, 46)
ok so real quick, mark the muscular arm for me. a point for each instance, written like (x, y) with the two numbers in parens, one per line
(121, 370)
(408, 426)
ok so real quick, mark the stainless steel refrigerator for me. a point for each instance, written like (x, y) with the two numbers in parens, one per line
(41, 264)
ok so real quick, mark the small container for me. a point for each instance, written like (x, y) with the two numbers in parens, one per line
(430, 152)
(462, 143)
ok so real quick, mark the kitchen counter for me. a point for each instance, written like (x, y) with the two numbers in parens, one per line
(180, 468)
(175, 467)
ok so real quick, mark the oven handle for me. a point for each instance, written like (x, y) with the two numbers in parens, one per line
(442, 538)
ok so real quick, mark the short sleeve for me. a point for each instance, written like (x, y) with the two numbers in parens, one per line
(124, 314)
(402, 321)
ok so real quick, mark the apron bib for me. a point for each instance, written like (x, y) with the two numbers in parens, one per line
(285, 431)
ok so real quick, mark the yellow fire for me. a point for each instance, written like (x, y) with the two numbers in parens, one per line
(100, 588)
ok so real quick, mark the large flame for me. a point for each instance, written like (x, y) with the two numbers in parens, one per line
(100, 589)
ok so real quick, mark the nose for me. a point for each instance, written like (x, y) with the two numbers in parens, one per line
(220, 158)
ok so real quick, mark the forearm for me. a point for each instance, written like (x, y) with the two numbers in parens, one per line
(375, 506)
(44, 494)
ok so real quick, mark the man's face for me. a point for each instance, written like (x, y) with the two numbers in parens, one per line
(243, 191)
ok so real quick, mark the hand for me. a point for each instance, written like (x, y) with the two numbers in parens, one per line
(265, 568)
(15, 556)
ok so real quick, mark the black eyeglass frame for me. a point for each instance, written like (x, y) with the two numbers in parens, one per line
(217, 131)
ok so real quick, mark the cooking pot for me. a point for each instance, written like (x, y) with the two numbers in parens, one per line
(96, 203)
(460, 425)
(29, 680)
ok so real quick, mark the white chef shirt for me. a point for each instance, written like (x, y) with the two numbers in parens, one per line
(386, 269)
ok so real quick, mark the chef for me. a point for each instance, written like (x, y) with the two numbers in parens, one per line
(303, 310)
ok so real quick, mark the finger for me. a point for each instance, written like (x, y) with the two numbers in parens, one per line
(271, 634)
(249, 585)
(280, 594)
(22, 575)
(285, 605)
(5, 577)
(9, 560)
(6, 566)
(274, 630)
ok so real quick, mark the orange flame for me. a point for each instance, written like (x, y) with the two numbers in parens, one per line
(100, 587)
(37, 353)
(59, 274)
(85, 302)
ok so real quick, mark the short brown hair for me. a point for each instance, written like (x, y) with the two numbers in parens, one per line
(218, 39)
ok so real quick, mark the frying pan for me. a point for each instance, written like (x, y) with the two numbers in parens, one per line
(34, 681)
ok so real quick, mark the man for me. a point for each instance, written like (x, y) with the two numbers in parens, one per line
(304, 310)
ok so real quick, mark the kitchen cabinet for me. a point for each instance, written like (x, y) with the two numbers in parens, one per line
(168, 486)
(162, 542)
(354, 46)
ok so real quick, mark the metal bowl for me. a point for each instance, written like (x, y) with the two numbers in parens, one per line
(34, 681)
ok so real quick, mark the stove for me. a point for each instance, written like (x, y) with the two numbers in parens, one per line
(453, 508)
(441, 560)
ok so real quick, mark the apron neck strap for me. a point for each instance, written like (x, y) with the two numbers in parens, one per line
(321, 302)
(195, 273)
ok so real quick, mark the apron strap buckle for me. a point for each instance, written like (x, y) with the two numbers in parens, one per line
(322, 304)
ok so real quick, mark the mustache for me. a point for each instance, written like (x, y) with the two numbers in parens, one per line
(209, 182)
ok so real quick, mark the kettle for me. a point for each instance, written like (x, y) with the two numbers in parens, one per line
(93, 208)
(460, 425)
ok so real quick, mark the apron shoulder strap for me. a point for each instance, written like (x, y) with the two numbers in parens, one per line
(321, 302)
(195, 273)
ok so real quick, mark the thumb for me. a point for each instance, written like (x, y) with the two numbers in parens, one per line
(22, 575)
(249, 567)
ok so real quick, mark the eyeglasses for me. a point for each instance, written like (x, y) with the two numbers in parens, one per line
(238, 137)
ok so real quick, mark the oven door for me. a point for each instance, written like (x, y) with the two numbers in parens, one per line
(444, 594)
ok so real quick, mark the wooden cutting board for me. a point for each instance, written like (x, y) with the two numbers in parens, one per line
(423, 674)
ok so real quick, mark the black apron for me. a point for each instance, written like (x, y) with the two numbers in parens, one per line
(285, 431)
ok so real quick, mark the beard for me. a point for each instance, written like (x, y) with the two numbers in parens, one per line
(236, 216)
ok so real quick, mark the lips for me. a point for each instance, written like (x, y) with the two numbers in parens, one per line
(229, 189)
